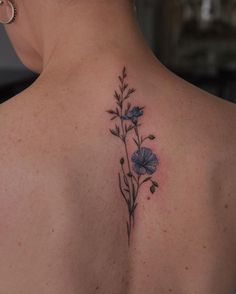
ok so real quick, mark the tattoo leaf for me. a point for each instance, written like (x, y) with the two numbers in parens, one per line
(133, 209)
(126, 181)
(114, 132)
(111, 112)
(131, 127)
(130, 92)
(118, 130)
(155, 184)
(119, 103)
(124, 73)
(146, 180)
(117, 111)
(128, 108)
(117, 96)
(122, 138)
(136, 142)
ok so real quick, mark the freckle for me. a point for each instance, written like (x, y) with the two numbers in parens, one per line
(165, 231)
(148, 276)
(76, 127)
(226, 206)
(204, 247)
(97, 288)
(170, 290)
(186, 268)
(19, 140)
(225, 229)
(148, 198)
(52, 230)
(19, 243)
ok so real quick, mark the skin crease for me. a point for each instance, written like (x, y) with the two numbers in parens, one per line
(62, 218)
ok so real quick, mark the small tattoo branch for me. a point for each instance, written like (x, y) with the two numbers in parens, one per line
(144, 161)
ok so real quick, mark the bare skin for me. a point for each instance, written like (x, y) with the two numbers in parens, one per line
(62, 215)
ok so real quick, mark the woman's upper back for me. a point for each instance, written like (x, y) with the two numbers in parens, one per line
(77, 181)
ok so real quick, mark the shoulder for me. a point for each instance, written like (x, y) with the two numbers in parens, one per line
(219, 120)
(212, 124)
(206, 118)
(200, 125)
(212, 131)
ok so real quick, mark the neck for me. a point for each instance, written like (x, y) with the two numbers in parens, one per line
(87, 32)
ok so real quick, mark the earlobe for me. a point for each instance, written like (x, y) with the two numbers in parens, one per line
(7, 12)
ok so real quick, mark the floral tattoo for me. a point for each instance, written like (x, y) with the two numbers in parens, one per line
(137, 169)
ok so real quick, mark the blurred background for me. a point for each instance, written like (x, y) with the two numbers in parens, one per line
(194, 38)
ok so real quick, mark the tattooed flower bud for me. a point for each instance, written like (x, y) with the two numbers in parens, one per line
(151, 137)
(130, 175)
(152, 189)
(122, 161)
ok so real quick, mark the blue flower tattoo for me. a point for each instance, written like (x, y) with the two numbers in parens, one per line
(144, 161)
(139, 168)
(134, 114)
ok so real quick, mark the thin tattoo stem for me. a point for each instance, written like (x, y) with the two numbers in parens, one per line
(131, 190)
(126, 153)
(123, 194)
(138, 187)
(138, 137)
